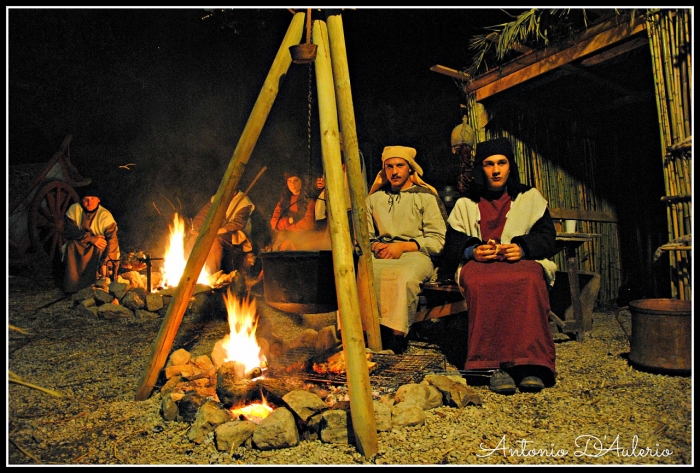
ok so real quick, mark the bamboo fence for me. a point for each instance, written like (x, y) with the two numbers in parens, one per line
(567, 184)
(670, 47)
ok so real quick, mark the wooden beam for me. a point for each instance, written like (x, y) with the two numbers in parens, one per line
(611, 53)
(455, 74)
(580, 214)
(592, 61)
(532, 65)
(538, 55)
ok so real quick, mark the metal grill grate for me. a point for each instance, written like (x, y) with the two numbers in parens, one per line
(391, 371)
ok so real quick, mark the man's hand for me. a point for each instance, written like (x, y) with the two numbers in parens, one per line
(100, 242)
(393, 250)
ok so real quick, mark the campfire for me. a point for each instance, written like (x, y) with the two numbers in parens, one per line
(242, 356)
(173, 265)
(232, 374)
(175, 261)
(242, 346)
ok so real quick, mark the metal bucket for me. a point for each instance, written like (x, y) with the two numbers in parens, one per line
(299, 282)
(661, 335)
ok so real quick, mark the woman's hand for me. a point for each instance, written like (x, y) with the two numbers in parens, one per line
(511, 252)
(486, 253)
(493, 251)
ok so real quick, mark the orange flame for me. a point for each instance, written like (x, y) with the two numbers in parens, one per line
(242, 346)
(175, 261)
(254, 412)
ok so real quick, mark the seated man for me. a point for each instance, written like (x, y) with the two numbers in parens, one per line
(406, 223)
(232, 248)
(92, 246)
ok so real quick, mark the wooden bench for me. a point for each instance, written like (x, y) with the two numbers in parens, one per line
(439, 299)
(442, 298)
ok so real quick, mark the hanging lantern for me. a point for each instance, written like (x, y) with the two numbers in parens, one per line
(462, 134)
(462, 141)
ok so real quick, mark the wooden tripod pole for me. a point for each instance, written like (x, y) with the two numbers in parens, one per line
(205, 239)
(359, 388)
(369, 307)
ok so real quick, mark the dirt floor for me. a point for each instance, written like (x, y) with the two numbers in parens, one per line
(601, 411)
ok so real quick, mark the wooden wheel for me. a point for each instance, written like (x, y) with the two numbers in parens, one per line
(46, 217)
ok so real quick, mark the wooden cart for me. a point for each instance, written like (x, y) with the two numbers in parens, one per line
(36, 214)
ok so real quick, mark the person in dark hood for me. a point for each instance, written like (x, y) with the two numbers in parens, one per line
(92, 245)
(501, 239)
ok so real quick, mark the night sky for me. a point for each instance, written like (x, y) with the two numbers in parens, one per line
(170, 91)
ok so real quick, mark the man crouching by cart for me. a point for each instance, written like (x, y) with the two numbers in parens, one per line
(92, 247)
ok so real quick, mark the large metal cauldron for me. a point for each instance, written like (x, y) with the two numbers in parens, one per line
(299, 282)
(661, 335)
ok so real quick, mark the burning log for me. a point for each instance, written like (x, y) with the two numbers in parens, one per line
(236, 387)
(232, 386)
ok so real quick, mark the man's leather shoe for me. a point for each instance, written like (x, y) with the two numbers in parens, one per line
(531, 384)
(502, 383)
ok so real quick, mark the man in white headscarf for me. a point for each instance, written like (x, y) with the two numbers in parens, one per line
(92, 244)
(406, 222)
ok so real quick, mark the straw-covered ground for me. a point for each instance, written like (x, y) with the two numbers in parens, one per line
(601, 410)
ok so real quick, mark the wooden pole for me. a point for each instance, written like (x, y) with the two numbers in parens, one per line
(205, 239)
(369, 307)
(359, 388)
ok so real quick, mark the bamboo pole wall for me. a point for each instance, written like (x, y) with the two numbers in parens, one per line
(670, 48)
(566, 188)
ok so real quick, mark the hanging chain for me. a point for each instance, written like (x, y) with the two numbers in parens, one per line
(308, 128)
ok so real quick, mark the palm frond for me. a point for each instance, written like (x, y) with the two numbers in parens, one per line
(534, 28)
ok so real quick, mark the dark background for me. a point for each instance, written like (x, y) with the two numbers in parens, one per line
(170, 91)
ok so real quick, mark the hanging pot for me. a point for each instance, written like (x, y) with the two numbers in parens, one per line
(304, 53)
(299, 282)
(661, 335)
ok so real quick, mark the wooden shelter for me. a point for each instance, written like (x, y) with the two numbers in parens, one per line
(601, 126)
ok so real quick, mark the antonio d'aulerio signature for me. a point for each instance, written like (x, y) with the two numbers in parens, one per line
(586, 445)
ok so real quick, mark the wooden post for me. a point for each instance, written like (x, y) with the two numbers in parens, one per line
(246, 143)
(369, 307)
(359, 388)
